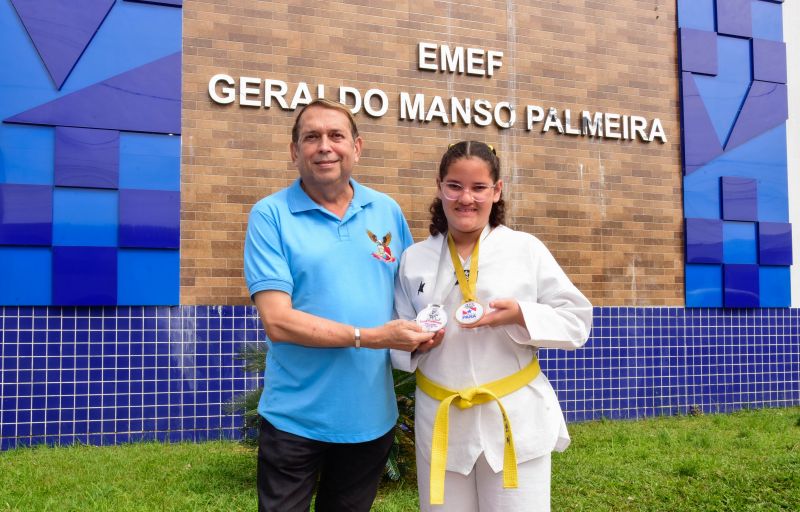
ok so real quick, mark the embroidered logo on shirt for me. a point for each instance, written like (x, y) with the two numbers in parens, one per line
(383, 252)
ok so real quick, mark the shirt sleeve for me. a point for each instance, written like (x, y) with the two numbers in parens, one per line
(561, 316)
(265, 264)
(404, 310)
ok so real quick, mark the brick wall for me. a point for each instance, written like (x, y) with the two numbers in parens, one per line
(609, 210)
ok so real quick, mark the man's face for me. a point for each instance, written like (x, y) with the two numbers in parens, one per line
(325, 153)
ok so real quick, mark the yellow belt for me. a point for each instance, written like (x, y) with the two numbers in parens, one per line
(464, 399)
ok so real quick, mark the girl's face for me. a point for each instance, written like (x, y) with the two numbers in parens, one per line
(468, 193)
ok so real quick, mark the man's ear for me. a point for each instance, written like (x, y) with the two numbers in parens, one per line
(358, 144)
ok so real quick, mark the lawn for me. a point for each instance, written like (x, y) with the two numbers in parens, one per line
(748, 461)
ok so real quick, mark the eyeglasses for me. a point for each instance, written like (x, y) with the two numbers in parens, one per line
(479, 192)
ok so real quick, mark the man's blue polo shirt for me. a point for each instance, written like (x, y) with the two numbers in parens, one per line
(338, 269)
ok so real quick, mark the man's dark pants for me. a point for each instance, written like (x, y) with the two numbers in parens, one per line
(289, 465)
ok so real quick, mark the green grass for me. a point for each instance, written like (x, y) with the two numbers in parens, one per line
(748, 461)
(209, 476)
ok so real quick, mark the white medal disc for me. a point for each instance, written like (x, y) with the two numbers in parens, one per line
(469, 313)
(432, 318)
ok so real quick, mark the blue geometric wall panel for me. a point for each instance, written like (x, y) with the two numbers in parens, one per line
(698, 14)
(85, 217)
(704, 241)
(87, 158)
(699, 51)
(739, 198)
(775, 291)
(26, 215)
(84, 276)
(25, 275)
(775, 243)
(741, 286)
(724, 93)
(734, 143)
(767, 21)
(149, 218)
(769, 61)
(148, 277)
(734, 18)
(27, 154)
(703, 286)
(90, 99)
(763, 159)
(740, 245)
(150, 162)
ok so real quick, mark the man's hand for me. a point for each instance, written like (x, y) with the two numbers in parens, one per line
(505, 312)
(432, 343)
(397, 334)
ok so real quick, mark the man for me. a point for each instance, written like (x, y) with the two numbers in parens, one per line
(316, 267)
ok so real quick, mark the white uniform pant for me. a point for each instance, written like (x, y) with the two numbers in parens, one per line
(482, 490)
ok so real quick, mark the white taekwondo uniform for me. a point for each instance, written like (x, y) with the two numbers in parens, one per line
(512, 264)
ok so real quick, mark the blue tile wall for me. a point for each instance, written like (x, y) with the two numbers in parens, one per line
(108, 375)
(642, 362)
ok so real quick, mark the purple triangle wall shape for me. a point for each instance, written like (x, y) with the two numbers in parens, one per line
(144, 99)
(701, 144)
(168, 3)
(766, 107)
(61, 31)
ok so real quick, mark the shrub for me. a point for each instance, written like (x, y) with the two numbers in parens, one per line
(400, 465)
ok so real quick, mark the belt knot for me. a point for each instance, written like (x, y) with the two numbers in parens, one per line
(466, 396)
(464, 399)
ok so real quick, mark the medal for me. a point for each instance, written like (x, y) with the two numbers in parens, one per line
(470, 311)
(432, 318)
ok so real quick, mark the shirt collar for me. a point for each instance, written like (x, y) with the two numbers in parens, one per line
(299, 201)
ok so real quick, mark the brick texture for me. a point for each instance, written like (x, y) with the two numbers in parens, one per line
(609, 210)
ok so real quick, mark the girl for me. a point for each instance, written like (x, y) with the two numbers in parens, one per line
(487, 419)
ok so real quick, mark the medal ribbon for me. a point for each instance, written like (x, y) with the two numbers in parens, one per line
(468, 288)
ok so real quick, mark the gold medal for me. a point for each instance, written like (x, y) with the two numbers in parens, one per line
(471, 311)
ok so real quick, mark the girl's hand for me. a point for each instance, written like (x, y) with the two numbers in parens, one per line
(505, 312)
(432, 343)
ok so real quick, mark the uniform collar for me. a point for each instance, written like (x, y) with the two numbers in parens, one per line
(445, 274)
